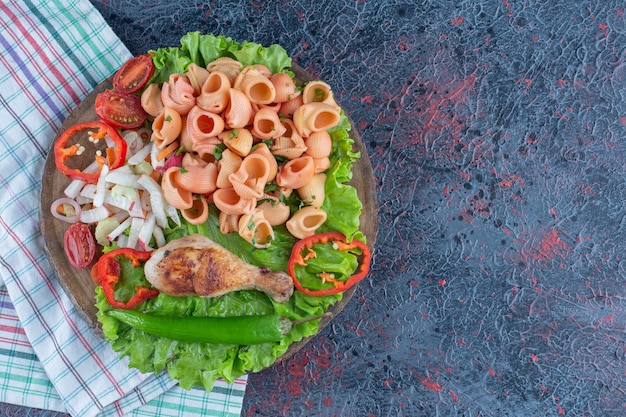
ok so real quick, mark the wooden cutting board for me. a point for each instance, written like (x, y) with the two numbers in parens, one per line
(78, 284)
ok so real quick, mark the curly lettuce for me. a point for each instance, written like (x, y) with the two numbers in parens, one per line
(203, 49)
(200, 364)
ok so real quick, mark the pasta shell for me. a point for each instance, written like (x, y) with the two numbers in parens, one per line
(275, 107)
(229, 202)
(190, 160)
(315, 117)
(151, 100)
(166, 127)
(274, 210)
(227, 65)
(306, 221)
(185, 141)
(285, 87)
(250, 179)
(321, 164)
(296, 173)
(313, 192)
(255, 229)
(290, 144)
(238, 112)
(319, 144)
(202, 124)
(237, 140)
(228, 222)
(174, 195)
(288, 108)
(197, 77)
(264, 150)
(197, 179)
(177, 93)
(262, 69)
(205, 148)
(228, 163)
(285, 146)
(319, 91)
(256, 86)
(198, 213)
(214, 94)
(267, 124)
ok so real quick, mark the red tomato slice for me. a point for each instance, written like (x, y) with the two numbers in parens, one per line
(79, 245)
(133, 75)
(120, 110)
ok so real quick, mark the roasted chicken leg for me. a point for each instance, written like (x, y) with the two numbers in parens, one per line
(195, 265)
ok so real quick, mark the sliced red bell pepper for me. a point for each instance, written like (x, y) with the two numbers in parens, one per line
(299, 258)
(109, 272)
(62, 152)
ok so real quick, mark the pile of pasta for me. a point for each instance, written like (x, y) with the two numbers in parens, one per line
(228, 131)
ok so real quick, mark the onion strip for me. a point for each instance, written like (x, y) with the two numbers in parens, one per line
(59, 203)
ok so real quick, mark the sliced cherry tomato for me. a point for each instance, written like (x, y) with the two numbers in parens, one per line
(134, 74)
(120, 109)
(79, 245)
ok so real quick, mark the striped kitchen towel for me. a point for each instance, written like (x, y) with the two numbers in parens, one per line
(52, 54)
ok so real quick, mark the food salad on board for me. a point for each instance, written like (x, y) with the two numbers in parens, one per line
(215, 216)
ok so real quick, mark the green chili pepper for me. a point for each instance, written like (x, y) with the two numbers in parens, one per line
(238, 330)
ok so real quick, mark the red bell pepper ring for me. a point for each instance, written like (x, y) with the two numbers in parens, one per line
(62, 152)
(298, 258)
(109, 272)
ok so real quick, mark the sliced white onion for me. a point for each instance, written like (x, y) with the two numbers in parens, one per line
(159, 237)
(101, 190)
(135, 209)
(122, 241)
(121, 215)
(64, 200)
(74, 187)
(133, 235)
(117, 177)
(145, 233)
(157, 201)
(124, 169)
(115, 233)
(133, 140)
(140, 155)
(172, 213)
(82, 200)
(145, 202)
(88, 191)
(119, 201)
(154, 152)
(94, 215)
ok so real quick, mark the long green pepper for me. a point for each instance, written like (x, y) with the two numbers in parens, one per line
(238, 330)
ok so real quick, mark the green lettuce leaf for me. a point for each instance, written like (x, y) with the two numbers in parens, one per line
(203, 49)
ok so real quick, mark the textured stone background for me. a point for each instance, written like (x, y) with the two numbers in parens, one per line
(496, 130)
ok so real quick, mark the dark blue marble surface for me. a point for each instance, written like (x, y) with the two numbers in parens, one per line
(497, 133)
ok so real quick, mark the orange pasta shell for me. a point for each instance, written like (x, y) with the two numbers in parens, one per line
(214, 94)
(229, 202)
(267, 124)
(202, 124)
(166, 127)
(296, 173)
(177, 93)
(173, 193)
(198, 213)
(315, 117)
